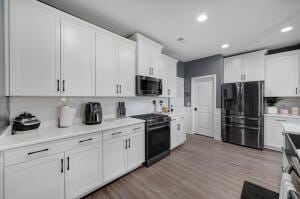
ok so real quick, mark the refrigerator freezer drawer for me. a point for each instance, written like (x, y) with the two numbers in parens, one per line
(243, 135)
(248, 121)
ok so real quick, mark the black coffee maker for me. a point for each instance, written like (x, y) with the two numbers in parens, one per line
(93, 113)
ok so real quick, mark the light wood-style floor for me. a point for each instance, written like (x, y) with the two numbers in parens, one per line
(202, 168)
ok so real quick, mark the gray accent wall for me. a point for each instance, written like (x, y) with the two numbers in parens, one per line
(201, 67)
(180, 69)
(4, 101)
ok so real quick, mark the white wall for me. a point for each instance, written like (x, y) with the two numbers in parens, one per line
(47, 108)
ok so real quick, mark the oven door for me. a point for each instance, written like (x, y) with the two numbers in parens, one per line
(158, 140)
(148, 86)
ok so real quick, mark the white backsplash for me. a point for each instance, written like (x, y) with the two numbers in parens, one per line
(47, 108)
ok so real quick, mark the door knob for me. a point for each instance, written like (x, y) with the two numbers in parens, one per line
(195, 109)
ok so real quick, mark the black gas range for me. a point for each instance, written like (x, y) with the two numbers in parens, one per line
(157, 129)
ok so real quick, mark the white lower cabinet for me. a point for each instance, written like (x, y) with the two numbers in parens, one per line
(178, 134)
(81, 170)
(273, 138)
(114, 158)
(122, 153)
(40, 178)
(136, 150)
(73, 167)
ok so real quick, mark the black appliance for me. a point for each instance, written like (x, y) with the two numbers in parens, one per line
(93, 113)
(291, 145)
(242, 113)
(24, 122)
(157, 129)
(148, 86)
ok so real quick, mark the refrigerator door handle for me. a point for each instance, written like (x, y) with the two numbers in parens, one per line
(242, 117)
(243, 127)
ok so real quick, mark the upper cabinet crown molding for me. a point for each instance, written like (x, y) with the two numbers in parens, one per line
(245, 67)
(138, 37)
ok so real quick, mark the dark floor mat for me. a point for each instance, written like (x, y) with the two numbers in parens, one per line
(252, 191)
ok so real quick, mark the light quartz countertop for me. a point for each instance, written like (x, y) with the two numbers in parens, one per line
(174, 114)
(291, 128)
(42, 135)
(282, 115)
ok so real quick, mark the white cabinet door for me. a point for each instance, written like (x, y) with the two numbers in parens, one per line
(136, 150)
(181, 132)
(281, 75)
(77, 59)
(126, 69)
(233, 69)
(106, 65)
(34, 50)
(155, 55)
(114, 158)
(172, 74)
(174, 133)
(254, 63)
(143, 59)
(82, 170)
(273, 134)
(41, 178)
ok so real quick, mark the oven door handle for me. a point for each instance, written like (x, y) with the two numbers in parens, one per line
(158, 127)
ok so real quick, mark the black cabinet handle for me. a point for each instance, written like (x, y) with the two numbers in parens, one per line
(129, 143)
(195, 109)
(126, 144)
(64, 85)
(58, 85)
(61, 165)
(90, 139)
(120, 88)
(30, 153)
(68, 163)
(116, 133)
(296, 91)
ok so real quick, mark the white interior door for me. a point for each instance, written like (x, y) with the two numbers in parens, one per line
(203, 103)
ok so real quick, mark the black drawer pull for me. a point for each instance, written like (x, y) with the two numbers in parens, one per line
(30, 153)
(68, 163)
(116, 133)
(61, 165)
(90, 139)
(136, 128)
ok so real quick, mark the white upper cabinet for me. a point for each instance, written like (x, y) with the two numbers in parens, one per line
(34, 49)
(254, 66)
(126, 69)
(115, 65)
(169, 76)
(282, 74)
(148, 56)
(246, 67)
(233, 69)
(106, 65)
(77, 59)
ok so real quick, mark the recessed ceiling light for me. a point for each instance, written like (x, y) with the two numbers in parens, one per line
(202, 18)
(286, 29)
(225, 46)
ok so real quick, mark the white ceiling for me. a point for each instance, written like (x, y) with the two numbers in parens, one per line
(245, 25)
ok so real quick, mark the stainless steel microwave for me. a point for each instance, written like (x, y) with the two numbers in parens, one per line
(148, 86)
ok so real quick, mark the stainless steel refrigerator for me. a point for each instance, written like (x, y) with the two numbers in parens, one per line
(242, 113)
